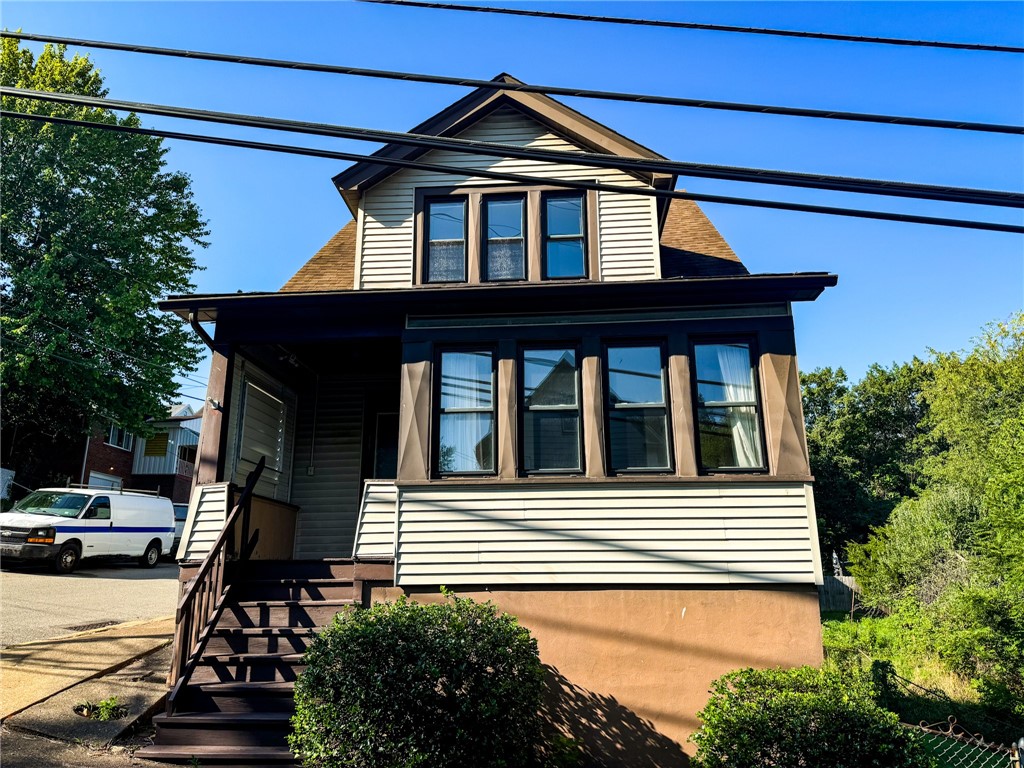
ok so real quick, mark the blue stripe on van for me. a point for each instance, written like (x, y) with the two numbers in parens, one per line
(114, 529)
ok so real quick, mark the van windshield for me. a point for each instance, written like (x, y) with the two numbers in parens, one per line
(52, 503)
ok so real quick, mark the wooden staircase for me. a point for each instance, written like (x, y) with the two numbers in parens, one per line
(235, 707)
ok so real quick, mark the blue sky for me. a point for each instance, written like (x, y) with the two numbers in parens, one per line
(902, 288)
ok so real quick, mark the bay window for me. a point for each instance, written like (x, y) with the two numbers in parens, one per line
(637, 408)
(466, 412)
(551, 410)
(728, 421)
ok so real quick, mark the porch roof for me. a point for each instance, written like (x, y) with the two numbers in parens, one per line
(384, 311)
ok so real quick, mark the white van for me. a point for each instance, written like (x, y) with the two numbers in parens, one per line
(64, 525)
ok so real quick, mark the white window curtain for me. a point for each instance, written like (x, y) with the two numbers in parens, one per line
(737, 376)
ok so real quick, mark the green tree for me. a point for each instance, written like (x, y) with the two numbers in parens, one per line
(94, 231)
(864, 442)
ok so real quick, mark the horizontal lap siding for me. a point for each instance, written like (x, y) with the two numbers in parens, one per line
(388, 236)
(598, 534)
(376, 535)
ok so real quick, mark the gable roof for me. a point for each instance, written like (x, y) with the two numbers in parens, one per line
(690, 247)
(457, 117)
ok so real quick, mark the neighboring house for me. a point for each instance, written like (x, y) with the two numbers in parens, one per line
(579, 405)
(164, 462)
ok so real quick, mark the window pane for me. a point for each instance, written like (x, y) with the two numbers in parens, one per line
(505, 260)
(729, 437)
(447, 220)
(564, 215)
(446, 261)
(467, 442)
(466, 380)
(551, 440)
(564, 259)
(549, 377)
(504, 219)
(634, 375)
(639, 439)
(724, 373)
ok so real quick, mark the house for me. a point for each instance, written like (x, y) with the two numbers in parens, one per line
(163, 462)
(576, 403)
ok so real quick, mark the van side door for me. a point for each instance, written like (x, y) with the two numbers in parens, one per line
(96, 527)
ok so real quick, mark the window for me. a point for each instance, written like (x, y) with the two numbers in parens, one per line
(120, 438)
(727, 410)
(551, 411)
(446, 241)
(466, 408)
(156, 446)
(637, 408)
(563, 240)
(99, 509)
(504, 228)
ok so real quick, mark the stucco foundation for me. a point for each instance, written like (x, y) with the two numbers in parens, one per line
(631, 667)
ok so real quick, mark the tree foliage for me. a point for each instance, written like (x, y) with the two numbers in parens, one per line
(864, 441)
(951, 561)
(404, 684)
(95, 230)
(803, 716)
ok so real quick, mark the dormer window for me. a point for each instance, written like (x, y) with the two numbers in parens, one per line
(504, 226)
(564, 239)
(446, 240)
(504, 235)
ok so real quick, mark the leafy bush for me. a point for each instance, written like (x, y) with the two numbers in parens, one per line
(801, 717)
(404, 684)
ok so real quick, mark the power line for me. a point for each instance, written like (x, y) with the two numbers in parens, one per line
(552, 90)
(637, 164)
(707, 27)
(565, 183)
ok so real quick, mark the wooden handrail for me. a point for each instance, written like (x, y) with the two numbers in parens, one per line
(206, 592)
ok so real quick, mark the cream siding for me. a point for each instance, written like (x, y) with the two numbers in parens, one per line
(606, 534)
(627, 242)
(207, 513)
(376, 529)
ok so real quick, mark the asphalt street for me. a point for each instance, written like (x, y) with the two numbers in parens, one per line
(37, 604)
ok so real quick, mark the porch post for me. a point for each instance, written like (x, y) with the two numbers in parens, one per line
(209, 454)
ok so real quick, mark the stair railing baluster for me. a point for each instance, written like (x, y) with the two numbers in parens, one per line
(205, 595)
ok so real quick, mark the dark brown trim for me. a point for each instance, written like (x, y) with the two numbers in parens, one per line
(520, 391)
(636, 479)
(639, 341)
(751, 340)
(213, 434)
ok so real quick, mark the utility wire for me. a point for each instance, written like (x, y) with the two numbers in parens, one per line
(519, 178)
(962, 125)
(636, 164)
(708, 27)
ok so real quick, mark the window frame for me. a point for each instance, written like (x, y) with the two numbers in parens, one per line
(583, 236)
(609, 408)
(522, 408)
(127, 442)
(486, 198)
(754, 354)
(533, 226)
(437, 412)
(425, 237)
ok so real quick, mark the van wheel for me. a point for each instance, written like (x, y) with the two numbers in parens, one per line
(151, 556)
(67, 559)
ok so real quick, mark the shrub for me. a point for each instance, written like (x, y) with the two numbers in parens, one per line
(403, 684)
(801, 717)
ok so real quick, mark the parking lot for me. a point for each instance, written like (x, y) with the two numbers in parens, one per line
(37, 604)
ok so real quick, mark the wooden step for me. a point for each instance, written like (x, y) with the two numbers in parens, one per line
(251, 667)
(281, 613)
(208, 754)
(239, 697)
(295, 589)
(260, 640)
(228, 729)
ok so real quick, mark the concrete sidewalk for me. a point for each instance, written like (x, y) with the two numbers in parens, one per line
(40, 683)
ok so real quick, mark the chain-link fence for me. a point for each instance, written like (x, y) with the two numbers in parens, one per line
(955, 747)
